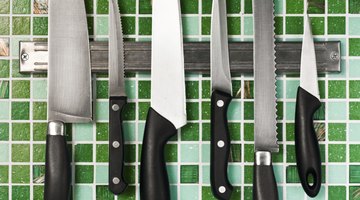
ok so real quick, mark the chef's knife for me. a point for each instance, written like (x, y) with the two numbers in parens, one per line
(168, 105)
(220, 99)
(69, 89)
(117, 101)
(264, 183)
(308, 101)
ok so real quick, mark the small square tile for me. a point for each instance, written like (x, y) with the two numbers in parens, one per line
(127, 7)
(39, 152)
(83, 132)
(102, 153)
(102, 110)
(20, 89)
(40, 7)
(4, 148)
(336, 6)
(316, 7)
(103, 193)
(189, 6)
(248, 176)
(102, 7)
(102, 26)
(294, 6)
(20, 153)
(294, 25)
(4, 25)
(190, 25)
(39, 174)
(189, 192)
(172, 173)
(333, 174)
(20, 131)
(336, 192)
(4, 68)
(189, 174)
(248, 6)
(205, 25)
(83, 192)
(5, 110)
(336, 110)
(40, 25)
(354, 171)
(83, 153)
(337, 89)
(20, 174)
(337, 132)
(4, 174)
(279, 25)
(20, 192)
(4, 46)
(4, 89)
(20, 110)
(318, 25)
(354, 109)
(21, 6)
(145, 7)
(102, 130)
(145, 26)
(102, 174)
(39, 110)
(38, 131)
(39, 89)
(294, 192)
(4, 131)
(144, 91)
(89, 6)
(84, 174)
(143, 110)
(354, 7)
(234, 25)
(354, 89)
(248, 110)
(171, 154)
(337, 152)
(354, 46)
(5, 7)
(354, 155)
(190, 132)
(189, 153)
(336, 25)
(128, 24)
(21, 25)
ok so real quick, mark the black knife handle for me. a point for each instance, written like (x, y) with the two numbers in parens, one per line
(154, 181)
(306, 144)
(57, 164)
(117, 183)
(264, 182)
(220, 145)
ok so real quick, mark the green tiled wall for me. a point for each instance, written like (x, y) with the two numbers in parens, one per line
(23, 105)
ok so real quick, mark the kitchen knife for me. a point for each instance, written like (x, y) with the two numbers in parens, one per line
(168, 104)
(220, 99)
(69, 89)
(117, 101)
(264, 183)
(307, 102)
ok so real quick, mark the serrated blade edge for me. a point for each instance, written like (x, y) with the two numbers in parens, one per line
(265, 77)
(116, 53)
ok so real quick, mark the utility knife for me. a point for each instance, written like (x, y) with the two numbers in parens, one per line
(117, 101)
(167, 111)
(264, 183)
(69, 90)
(307, 102)
(220, 99)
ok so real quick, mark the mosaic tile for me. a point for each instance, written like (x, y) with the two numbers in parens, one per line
(40, 7)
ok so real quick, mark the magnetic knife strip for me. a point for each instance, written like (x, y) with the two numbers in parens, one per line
(34, 57)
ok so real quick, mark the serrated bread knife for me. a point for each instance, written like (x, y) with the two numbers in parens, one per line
(307, 102)
(264, 183)
(220, 99)
(168, 104)
(117, 102)
(69, 89)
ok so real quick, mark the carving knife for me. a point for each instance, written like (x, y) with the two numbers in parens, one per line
(220, 99)
(264, 183)
(69, 89)
(168, 105)
(117, 101)
(307, 102)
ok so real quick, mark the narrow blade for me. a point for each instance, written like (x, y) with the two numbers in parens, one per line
(116, 53)
(167, 62)
(264, 73)
(220, 64)
(69, 73)
(308, 70)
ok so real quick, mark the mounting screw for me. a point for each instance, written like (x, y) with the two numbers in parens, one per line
(116, 144)
(115, 107)
(334, 56)
(220, 144)
(116, 180)
(222, 189)
(24, 56)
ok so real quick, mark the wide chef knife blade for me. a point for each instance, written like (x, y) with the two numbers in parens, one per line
(117, 101)
(264, 185)
(308, 101)
(69, 89)
(220, 99)
(168, 105)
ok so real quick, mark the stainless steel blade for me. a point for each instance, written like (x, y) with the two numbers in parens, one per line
(220, 64)
(116, 53)
(69, 74)
(264, 73)
(308, 69)
(167, 62)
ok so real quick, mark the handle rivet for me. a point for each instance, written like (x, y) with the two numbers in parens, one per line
(115, 107)
(116, 144)
(220, 143)
(222, 189)
(220, 103)
(24, 56)
(116, 180)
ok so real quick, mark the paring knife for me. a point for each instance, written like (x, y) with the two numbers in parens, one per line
(69, 93)
(168, 104)
(307, 102)
(264, 183)
(117, 101)
(220, 99)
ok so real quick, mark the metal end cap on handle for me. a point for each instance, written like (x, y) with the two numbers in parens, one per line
(56, 128)
(263, 158)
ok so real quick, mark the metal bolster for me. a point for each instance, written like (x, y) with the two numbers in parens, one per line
(34, 57)
(263, 158)
(56, 128)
